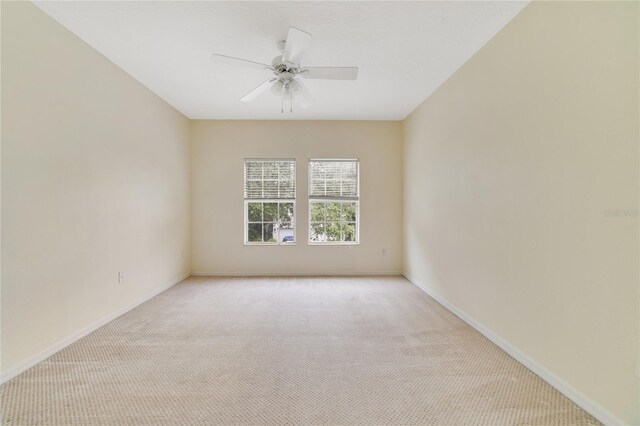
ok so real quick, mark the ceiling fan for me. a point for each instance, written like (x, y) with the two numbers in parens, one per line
(287, 70)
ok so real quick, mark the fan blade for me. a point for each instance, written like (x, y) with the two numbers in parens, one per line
(230, 60)
(296, 44)
(302, 94)
(331, 73)
(252, 95)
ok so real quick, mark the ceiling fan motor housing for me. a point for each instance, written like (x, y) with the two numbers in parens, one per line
(280, 66)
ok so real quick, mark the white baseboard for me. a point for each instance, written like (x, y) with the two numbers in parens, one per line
(294, 274)
(24, 366)
(596, 410)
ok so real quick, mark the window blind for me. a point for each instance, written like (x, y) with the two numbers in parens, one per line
(334, 179)
(269, 179)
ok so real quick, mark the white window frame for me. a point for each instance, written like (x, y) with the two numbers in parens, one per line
(271, 200)
(311, 200)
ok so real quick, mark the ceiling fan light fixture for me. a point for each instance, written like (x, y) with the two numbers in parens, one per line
(277, 88)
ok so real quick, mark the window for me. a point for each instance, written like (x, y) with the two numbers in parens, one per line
(269, 201)
(334, 202)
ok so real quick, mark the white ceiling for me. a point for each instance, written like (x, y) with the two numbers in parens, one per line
(405, 50)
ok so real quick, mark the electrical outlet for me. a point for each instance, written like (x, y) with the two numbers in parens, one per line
(120, 277)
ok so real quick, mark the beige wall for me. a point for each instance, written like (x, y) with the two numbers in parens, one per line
(95, 180)
(217, 152)
(510, 168)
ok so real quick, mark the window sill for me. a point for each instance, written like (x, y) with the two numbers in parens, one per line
(269, 244)
(312, 243)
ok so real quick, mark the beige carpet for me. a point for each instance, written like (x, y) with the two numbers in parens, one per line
(278, 351)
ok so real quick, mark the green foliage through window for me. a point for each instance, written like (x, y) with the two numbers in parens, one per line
(270, 222)
(333, 221)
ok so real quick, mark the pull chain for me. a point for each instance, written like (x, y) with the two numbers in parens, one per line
(284, 92)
